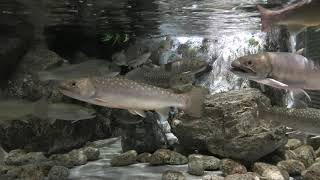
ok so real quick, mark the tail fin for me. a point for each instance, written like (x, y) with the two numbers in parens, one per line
(41, 109)
(265, 18)
(45, 76)
(3, 154)
(195, 102)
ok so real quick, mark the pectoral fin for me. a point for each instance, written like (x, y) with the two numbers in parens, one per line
(273, 83)
(163, 113)
(137, 112)
(300, 51)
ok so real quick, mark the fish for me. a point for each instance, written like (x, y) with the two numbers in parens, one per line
(17, 109)
(119, 58)
(280, 70)
(158, 76)
(122, 93)
(302, 119)
(69, 112)
(85, 69)
(3, 155)
(139, 60)
(185, 65)
(297, 16)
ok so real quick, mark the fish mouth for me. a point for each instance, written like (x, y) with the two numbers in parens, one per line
(242, 71)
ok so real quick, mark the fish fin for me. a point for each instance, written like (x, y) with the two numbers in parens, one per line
(52, 120)
(195, 102)
(265, 18)
(315, 137)
(140, 113)
(298, 93)
(3, 155)
(45, 76)
(317, 30)
(24, 119)
(163, 113)
(300, 51)
(272, 82)
(41, 108)
(132, 111)
(99, 99)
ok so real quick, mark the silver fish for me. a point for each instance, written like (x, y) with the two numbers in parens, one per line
(16, 109)
(69, 112)
(119, 92)
(280, 70)
(296, 17)
(81, 70)
(306, 119)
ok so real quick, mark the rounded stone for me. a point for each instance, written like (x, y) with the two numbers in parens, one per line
(293, 167)
(229, 167)
(125, 159)
(173, 175)
(58, 173)
(195, 165)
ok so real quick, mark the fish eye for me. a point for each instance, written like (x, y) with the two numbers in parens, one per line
(249, 63)
(73, 84)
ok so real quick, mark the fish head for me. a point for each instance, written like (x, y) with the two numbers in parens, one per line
(254, 66)
(81, 87)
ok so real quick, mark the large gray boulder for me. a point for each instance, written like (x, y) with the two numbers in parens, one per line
(228, 127)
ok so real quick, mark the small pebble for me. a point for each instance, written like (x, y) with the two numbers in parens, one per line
(173, 175)
(229, 167)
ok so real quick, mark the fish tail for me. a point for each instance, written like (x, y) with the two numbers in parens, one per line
(41, 109)
(45, 76)
(195, 102)
(265, 18)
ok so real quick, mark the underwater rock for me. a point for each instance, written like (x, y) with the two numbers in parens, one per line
(210, 163)
(165, 156)
(75, 157)
(247, 176)
(289, 154)
(58, 173)
(229, 129)
(91, 153)
(293, 144)
(270, 172)
(195, 165)
(144, 157)
(31, 172)
(306, 155)
(125, 159)
(19, 157)
(229, 167)
(173, 175)
(212, 177)
(314, 142)
(317, 152)
(312, 173)
(293, 167)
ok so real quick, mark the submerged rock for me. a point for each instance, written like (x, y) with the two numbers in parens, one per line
(58, 173)
(144, 157)
(312, 173)
(19, 157)
(270, 172)
(229, 129)
(210, 163)
(195, 165)
(289, 154)
(212, 177)
(173, 175)
(229, 167)
(165, 156)
(293, 167)
(306, 155)
(125, 159)
(293, 144)
(91, 153)
(247, 176)
(75, 157)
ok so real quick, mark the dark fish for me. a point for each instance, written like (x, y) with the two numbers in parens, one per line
(306, 119)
